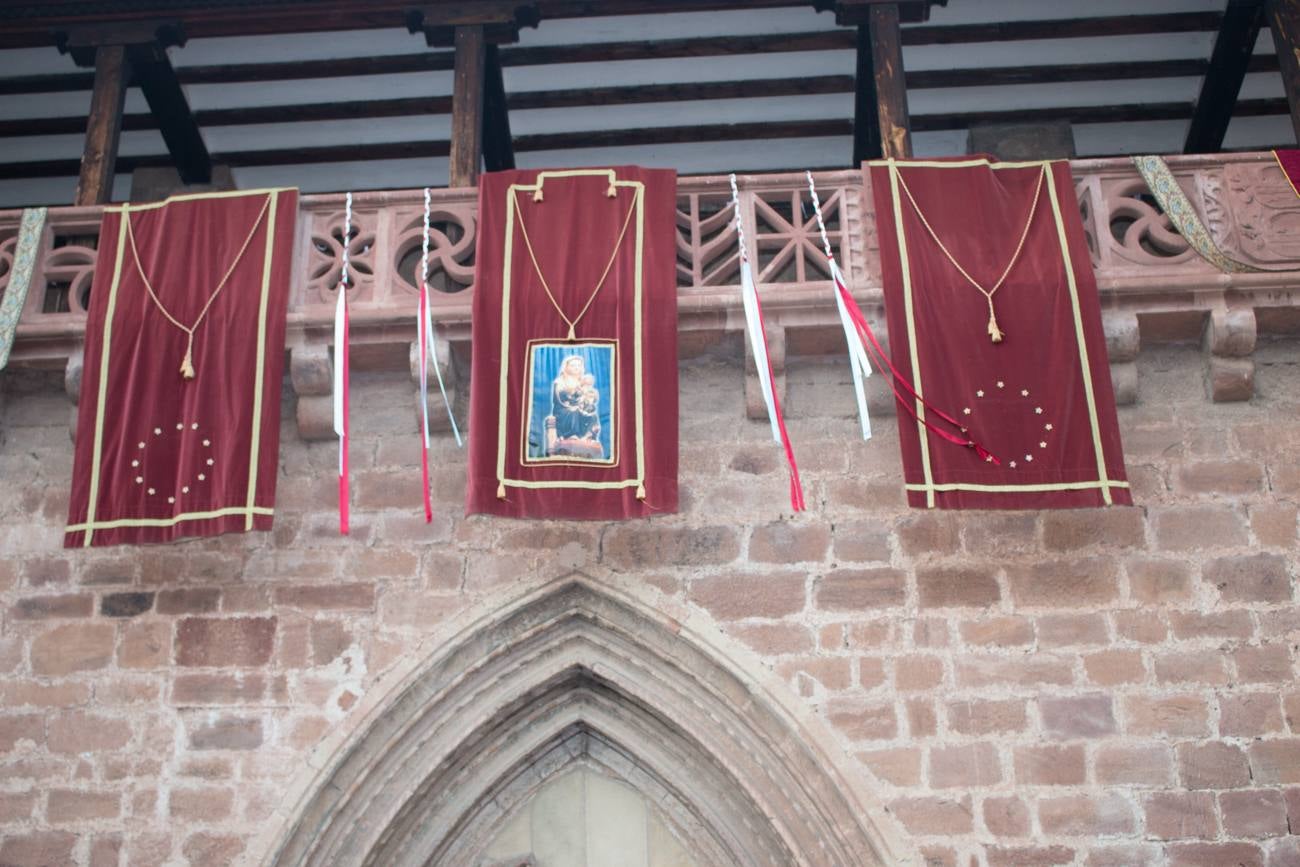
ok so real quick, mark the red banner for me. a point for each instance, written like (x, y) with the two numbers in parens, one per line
(573, 410)
(994, 321)
(1288, 160)
(178, 426)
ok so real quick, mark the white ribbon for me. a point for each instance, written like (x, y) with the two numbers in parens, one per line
(340, 332)
(858, 362)
(753, 323)
(429, 342)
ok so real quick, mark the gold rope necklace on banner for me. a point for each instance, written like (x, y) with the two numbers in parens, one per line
(573, 323)
(187, 363)
(996, 334)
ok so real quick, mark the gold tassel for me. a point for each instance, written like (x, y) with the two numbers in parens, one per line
(571, 334)
(640, 492)
(187, 363)
(537, 196)
(501, 490)
(995, 333)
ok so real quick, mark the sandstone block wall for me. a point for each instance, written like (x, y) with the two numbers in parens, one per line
(1101, 687)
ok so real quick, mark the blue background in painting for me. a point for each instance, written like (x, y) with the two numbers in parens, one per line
(547, 358)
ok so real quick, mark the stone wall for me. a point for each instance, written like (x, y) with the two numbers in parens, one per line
(1100, 687)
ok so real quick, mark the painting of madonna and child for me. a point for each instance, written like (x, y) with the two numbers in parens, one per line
(571, 403)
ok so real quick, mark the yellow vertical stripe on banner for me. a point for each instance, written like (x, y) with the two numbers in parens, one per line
(504, 362)
(256, 439)
(1079, 337)
(102, 397)
(921, 432)
(639, 192)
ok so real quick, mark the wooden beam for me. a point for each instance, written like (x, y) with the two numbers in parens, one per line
(866, 111)
(467, 107)
(651, 93)
(1222, 82)
(891, 86)
(1284, 21)
(577, 140)
(498, 148)
(162, 90)
(697, 46)
(103, 127)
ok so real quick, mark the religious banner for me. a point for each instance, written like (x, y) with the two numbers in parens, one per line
(178, 425)
(995, 332)
(573, 405)
(1288, 160)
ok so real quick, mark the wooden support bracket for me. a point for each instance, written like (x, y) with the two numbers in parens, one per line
(1123, 340)
(1229, 344)
(311, 371)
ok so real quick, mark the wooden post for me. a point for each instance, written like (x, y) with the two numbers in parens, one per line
(467, 106)
(866, 111)
(891, 87)
(103, 128)
(157, 79)
(1284, 19)
(498, 146)
(1228, 65)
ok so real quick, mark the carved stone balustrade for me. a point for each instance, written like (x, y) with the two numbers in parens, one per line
(1152, 283)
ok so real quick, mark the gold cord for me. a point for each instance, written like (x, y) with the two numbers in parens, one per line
(572, 323)
(995, 333)
(187, 363)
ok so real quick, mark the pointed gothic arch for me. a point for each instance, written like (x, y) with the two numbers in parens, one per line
(576, 673)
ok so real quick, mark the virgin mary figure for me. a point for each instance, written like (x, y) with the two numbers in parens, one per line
(575, 408)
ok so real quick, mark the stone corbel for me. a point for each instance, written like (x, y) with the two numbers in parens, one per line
(438, 420)
(72, 385)
(755, 406)
(1229, 343)
(311, 370)
(1123, 341)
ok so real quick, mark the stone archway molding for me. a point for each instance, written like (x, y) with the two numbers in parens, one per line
(653, 691)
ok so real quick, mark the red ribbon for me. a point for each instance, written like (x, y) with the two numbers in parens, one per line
(341, 357)
(796, 486)
(895, 379)
(424, 423)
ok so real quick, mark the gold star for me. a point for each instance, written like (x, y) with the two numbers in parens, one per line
(1029, 457)
(1013, 465)
(1047, 426)
(988, 459)
(1038, 409)
(1042, 445)
(135, 463)
(1001, 383)
(140, 446)
(202, 477)
(1024, 392)
(207, 442)
(180, 426)
(966, 410)
(979, 393)
(210, 461)
(194, 426)
(139, 480)
(152, 492)
(157, 431)
(185, 490)
(171, 499)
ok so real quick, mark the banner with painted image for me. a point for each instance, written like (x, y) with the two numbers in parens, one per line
(573, 404)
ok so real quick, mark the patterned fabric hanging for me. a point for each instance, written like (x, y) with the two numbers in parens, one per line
(994, 316)
(178, 426)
